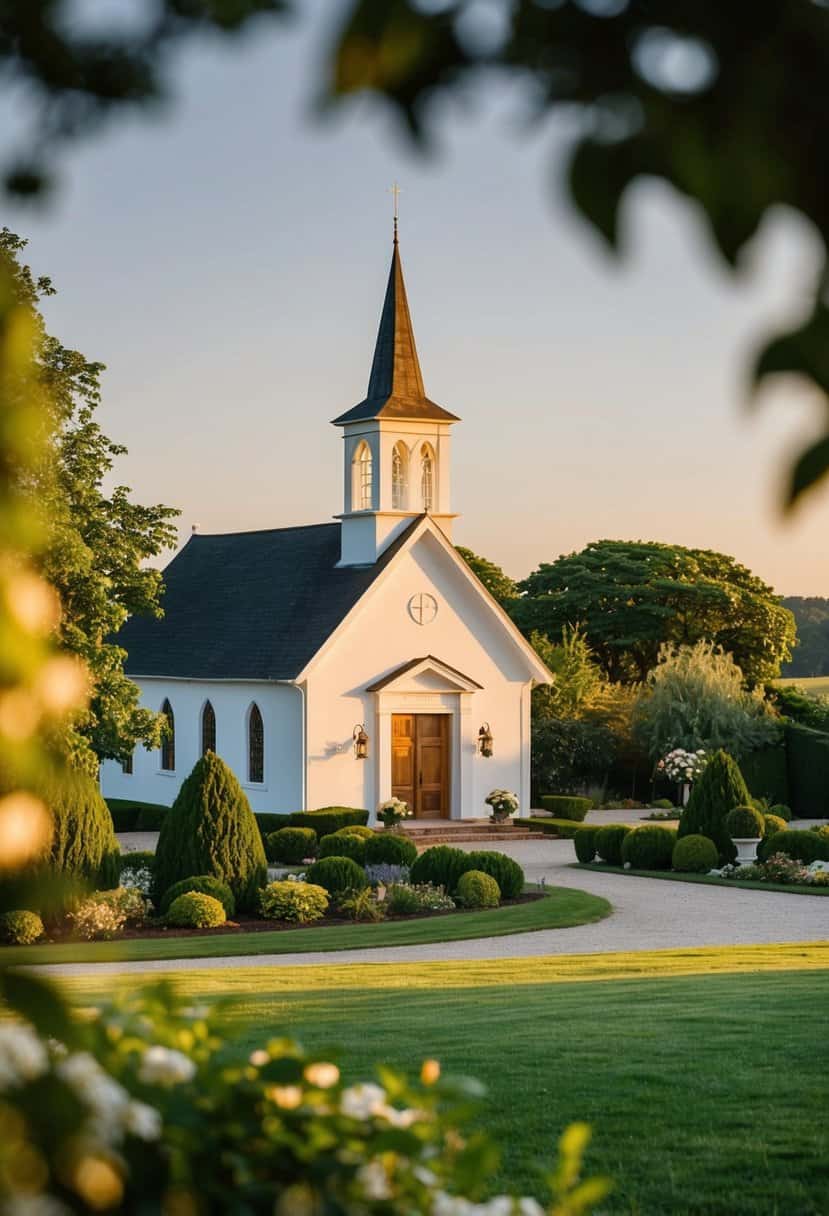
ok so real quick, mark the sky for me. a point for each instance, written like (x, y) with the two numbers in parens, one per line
(226, 258)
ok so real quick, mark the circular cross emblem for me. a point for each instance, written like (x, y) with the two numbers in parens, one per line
(423, 608)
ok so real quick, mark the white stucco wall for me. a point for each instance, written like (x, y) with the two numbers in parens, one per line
(282, 715)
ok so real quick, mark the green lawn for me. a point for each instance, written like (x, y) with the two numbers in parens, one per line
(712, 879)
(561, 908)
(700, 1071)
(812, 684)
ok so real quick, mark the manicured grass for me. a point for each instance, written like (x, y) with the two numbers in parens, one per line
(791, 888)
(561, 908)
(699, 1070)
(812, 684)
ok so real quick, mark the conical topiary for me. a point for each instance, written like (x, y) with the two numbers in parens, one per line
(210, 829)
(720, 788)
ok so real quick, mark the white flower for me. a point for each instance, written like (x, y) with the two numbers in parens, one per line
(399, 1118)
(22, 1055)
(819, 867)
(142, 1121)
(163, 1066)
(363, 1101)
(259, 1058)
(374, 1180)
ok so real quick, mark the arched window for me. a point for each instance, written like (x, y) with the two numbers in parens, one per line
(168, 743)
(208, 729)
(256, 745)
(362, 481)
(399, 476)
(427, 477)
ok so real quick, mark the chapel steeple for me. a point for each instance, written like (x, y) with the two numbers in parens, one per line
(396, 439)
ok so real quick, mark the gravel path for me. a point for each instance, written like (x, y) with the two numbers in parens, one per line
(649, 914)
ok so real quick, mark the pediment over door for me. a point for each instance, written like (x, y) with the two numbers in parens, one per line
(426, 674)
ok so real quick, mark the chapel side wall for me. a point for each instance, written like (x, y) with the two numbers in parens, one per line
(282, 714)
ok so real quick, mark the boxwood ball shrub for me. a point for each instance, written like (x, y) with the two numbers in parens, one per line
(385, 848)
(506, 872)
(649, 848)
(441, 866)
(210, 829)
(207, 884)
(772, 824)
(337, 875)
(20, 928)
(804, 846)
(478, 890)
(566, 806)
(356, 829)
(301, 902)
(195, 910)
(744, 822)
(717, 791)
(694, 855)
(585, 844)
(609, 842)
(329, 819)
(291, 846)
(783, 811)
(346, 845)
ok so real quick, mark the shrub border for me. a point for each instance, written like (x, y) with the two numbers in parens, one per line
(712, 880)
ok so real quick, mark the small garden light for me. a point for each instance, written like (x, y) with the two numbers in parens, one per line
(485, 740)
(360, 741)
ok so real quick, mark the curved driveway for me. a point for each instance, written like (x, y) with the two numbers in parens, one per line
(648, 914)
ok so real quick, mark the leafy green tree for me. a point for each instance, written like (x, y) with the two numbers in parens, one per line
(810, 657)
(210, 829)
(720, 788)
(97, 542)
(695, 698)
(579, 681)
(499, 585)
(808, 709)
(630, 597)
(567, 756)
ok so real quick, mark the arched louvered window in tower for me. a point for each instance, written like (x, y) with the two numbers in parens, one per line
(256, 745)
(168, 743)
(363, 479)
(427, 477)
(399, 476)
(208, 729)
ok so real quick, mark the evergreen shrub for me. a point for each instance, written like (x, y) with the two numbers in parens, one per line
(268, 822)
(356, 829)
(194, 910)
(19, 928)
(291, 845)
(808, 763)
(210, 829)
(720, 788)
(585, 844)
(301, 902)
(441, 866)
(141, 859)
(744, 823)
(124, 818)
(337, 875)
(773, 823)
(478, 890)
(649, 848)
(566, 829)
(567, 806)
(694, 855)
(329, 819)
(206, 884)
(386, 848)
(661, 804)
(506, 872)
(804, 846)
(609, 841)
(341, 846)
(150, 818)
(782, 811)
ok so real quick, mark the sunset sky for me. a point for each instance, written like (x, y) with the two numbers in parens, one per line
(226, 259)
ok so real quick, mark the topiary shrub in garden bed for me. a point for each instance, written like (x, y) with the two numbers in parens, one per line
(206, 884)
(291, 846)
(478, 890)
(385, 848)
(805, 846)
(773, 823)
(745, 823)
(567, 806)
(565, 829)
(268, 822)
(694, 855)
(782, 811)
(609, 842)
(301, 902)
(210, 829)
(356, 829)
(506, 872)
(585, 844)
(337, 875)
(194, 910)
(441, 866)
(329, 819)
(649, 848)
(720, 788)
(20, 928)
(343, 846)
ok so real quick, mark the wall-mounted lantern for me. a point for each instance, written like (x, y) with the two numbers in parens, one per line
(485, 740)
(360, 741)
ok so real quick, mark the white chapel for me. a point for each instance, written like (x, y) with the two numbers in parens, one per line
(341, 663)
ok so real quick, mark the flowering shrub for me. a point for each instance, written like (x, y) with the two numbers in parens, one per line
(292, 900)
(385, 875)
(147, 1107)
(405, 900)
(392, 811)
(362, 905)
(106, 913)
(139, 879)
(20, 928)
(778, 869)
(682, 766)
(503, 802)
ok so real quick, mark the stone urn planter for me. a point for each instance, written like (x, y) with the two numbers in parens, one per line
(745, 826)
(746, 849)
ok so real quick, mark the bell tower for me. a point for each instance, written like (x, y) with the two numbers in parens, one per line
(396, 442)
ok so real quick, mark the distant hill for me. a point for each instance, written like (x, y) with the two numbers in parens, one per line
(811, 655)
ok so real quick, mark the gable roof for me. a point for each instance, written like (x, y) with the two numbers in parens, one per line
(395, 386)
(426, 662)
(249, 605)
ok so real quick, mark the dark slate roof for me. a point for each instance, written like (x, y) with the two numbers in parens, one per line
(249, 605)
(395, 386)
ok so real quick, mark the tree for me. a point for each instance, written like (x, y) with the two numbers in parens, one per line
(810, 656)
(579, 681)
(210, 829)
(97, 542)
(499, 585)
(695, 698)
(720, 788)
(630, 597)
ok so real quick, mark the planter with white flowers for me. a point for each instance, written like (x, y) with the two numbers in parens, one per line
(392, 812)
(745, 826)
(504, 803)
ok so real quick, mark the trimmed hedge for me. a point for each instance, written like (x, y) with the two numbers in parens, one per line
(766, 773)
(141, 859)
(609, 842)
(506, 872)
(356, 829)
(132, 815)
(196, 911)
(694, 855)
(478, 890)
(585, 844)
(346, 845)
(329, 819)
(567, 806)
(204, 884)
(441, 865)
(649, 848)
(565, 828)
(124, 818)
(151, 818)
(807, 754)
(386, 848)
(805, 846)
(336, 875)
(268, 822)
(291, 845)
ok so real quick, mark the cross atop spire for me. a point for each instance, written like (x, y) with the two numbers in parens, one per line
(395, 191)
